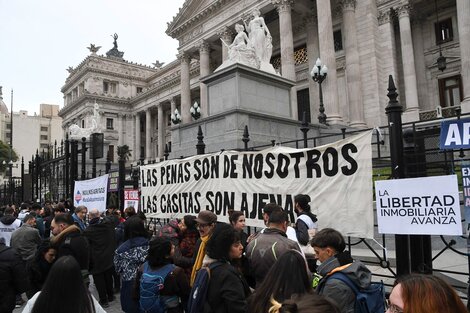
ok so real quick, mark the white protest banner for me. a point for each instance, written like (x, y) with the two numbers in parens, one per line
(131, 198)
(337, 177)
(91, 193)
(419, 206)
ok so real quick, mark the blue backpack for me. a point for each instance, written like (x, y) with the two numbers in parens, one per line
(198, 295)
(370, 300)
(151, 283)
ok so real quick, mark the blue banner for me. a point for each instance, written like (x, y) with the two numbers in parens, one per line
(455, 134)
(466, 194)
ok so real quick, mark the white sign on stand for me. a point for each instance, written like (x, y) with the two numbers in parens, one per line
(91, 193)
(131, 198)
(419, 206)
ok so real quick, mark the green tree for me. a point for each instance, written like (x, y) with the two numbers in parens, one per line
(5, 156)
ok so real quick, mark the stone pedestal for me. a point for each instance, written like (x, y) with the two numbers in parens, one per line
(239, 95)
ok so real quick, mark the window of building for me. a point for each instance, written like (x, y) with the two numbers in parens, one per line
(7, 135)
(43, 137)
(44, 146)
(8, 125)
(44, 128)
(450, 91)
(113, 87)
(303, 104)
(338, 40)
(83, 123)
(105, 87)
(300, 55)
(111, 153)
(168, 119)
(109, 123)
(139, 89)
(444, 32)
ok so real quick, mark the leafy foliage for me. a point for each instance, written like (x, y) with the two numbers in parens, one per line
(5, 155)
(124, 152)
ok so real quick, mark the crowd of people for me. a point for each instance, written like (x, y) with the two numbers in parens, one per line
(52, 253)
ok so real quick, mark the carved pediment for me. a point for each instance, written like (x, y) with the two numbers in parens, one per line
(191, 12)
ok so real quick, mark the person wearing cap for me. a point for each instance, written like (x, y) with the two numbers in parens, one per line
(206, 221)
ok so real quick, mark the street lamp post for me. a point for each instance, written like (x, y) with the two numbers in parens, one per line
(195, 110)
(176, 117)
(318, 74)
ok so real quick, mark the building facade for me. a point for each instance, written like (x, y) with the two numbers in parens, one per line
(37, 133)
(361, 43)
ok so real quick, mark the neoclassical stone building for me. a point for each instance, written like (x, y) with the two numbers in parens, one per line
(361, 42)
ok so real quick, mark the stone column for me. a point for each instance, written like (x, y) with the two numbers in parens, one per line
(185, 87)
(226, 34)
(205, 69)
(408, 59)
(327, 55)
(284, 8)
(389, 60)
(137, 137)
(173, 107)
(121, 119)
(148, 134)
(353, 71)
(161, 132)
(463, 17)
(313, 52)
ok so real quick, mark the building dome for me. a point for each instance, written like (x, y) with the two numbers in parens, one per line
(3, 106)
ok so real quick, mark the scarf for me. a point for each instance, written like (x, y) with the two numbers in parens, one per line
(200, 257)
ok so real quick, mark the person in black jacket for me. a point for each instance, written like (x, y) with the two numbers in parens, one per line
(100, 235)
(13, 279)
(39, 269)
(227, 291)
(69, 241)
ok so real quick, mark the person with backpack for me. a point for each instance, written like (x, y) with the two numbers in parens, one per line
(219, 287)
(128, 258)
(339, 271)
(306, 224)
(161, 286)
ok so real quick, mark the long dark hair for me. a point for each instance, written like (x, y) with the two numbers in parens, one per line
(134, 227)
(159, 252)
(64, 290)
(288, 276)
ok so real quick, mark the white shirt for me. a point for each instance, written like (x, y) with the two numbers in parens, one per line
(30, 304)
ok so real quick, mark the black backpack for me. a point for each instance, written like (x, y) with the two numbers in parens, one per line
(369, 300)
(198, 295)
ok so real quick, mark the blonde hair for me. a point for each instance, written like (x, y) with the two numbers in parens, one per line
(275, 306)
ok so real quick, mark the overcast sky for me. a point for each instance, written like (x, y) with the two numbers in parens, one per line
(40, 39)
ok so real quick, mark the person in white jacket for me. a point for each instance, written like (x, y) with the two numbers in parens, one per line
(64, 286)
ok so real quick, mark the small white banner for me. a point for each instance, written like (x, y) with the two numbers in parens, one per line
(131, 198)
(419, 206)
(91, 193)
(337, 177)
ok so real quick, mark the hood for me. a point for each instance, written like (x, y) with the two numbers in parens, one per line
(355, 270)
(7, 219)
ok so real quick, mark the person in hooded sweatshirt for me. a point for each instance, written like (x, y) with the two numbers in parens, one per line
(329, 247)
(8, 224)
